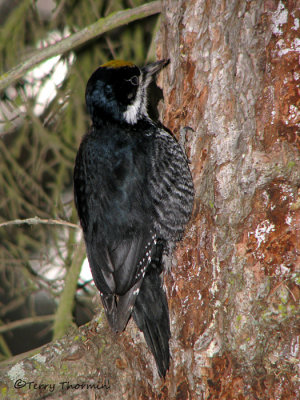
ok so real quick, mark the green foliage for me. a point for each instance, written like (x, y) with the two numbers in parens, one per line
(12, 36)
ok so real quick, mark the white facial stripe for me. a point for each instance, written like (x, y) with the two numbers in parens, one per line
(138, 107)
(132, 112)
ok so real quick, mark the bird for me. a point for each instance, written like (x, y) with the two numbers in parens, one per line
(134, 196)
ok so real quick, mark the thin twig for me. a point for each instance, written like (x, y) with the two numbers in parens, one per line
(15, 303)
(103, 25)
(37, 220)
(63, 316)
(58, 9)
(26, 321)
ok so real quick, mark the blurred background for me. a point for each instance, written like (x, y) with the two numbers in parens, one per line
(42, 120)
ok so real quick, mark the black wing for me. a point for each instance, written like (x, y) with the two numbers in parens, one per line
(110, 196)
(119, 270)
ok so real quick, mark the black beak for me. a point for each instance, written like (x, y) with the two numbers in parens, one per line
(153, 68)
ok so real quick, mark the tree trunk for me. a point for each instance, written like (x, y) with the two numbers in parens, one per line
(233, 294)
(230, 97)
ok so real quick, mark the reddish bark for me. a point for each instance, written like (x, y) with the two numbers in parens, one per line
(234, 293)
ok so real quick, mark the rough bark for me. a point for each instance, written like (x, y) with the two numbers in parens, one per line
(234, 293)
(231, 98)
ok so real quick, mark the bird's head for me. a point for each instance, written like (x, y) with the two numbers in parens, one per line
(118, 90)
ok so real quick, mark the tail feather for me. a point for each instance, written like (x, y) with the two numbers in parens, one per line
(118, 310)
(151, 315)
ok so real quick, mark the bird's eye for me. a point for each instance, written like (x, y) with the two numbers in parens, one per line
(134, 80)
(108, 90)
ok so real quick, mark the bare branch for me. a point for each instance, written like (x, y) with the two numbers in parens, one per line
(37, 220)
(103, 25)
(26, 321)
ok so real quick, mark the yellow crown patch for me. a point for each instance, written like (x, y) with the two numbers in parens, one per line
(117, 64)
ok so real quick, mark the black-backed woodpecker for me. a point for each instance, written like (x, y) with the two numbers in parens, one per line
(134, 195)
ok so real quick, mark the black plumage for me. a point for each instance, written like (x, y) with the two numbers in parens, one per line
(134, 195)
